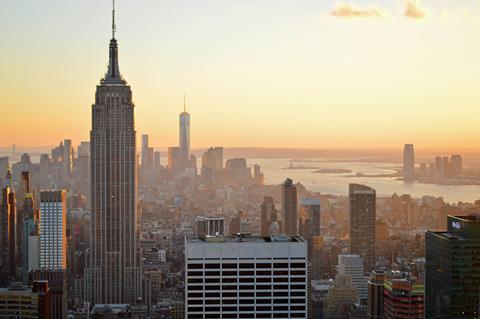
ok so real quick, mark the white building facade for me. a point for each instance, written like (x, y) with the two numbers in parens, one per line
(246, 277)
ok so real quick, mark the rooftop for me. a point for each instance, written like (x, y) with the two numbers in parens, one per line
(247, 238)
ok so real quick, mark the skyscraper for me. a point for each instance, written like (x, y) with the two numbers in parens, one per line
(268, 215)
(309, 218)
(246, 277)
(289, 207)
(362, 223)
(375, 295)
(114, 272)
(408, 163)
(53, 230)
(456, 165)
(8, 220)
(452, 269)
(184, 136)
(353, 265)
(144, 151)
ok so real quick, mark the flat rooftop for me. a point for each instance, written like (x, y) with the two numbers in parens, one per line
(247, 239)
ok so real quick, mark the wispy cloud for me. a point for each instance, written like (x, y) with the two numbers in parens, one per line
(414, 10)
(352, 11)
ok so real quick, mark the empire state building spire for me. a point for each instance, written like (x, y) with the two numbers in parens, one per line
(113, 75)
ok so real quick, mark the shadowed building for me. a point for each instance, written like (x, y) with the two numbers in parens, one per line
(289, 207)
(362, 223)
(452, 278)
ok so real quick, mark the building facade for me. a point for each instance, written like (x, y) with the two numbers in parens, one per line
(246, 277)
(403, 299)
(289, 208)
(362, 223)
(452, 270)
(53, 230)
(408, 163)
(114, 271)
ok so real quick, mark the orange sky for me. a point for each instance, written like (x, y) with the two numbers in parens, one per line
(257, 73)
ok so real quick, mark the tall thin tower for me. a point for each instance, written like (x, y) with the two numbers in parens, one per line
(184, 136)
(113, 274)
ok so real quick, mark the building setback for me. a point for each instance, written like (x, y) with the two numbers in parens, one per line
(113, 273)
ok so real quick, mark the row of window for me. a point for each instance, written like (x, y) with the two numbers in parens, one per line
(244, 280)
(264, 302)
(246, 265)
(197, 294)
(235, 273)
(246, 315)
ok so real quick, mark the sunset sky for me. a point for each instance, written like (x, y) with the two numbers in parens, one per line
(273, 73)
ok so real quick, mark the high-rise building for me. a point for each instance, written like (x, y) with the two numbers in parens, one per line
(174, 160)
(452, 269)
(19, 301)
(403, 299)
(4, 167)
(246, 277)
(353, 265)
(340, 297)
(289, 207)
(362, 223)
(446, 170)
(113, 274)
(156, 159)
(375, 295)
(53, 230)
(184, 137)
(58, 290)
(8, 236)
(68, 157)
(268, 215)
(210, 226)
(456, 165)
(144, 151)
(408, 163)
(309, 218)
(438, 167)
(212, 164)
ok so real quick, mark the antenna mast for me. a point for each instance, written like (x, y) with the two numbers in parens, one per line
(114, 27)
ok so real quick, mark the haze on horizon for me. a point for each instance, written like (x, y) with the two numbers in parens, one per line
(277, 73)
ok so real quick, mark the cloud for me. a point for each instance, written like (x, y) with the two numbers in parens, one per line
(352, 11)
(414, 10)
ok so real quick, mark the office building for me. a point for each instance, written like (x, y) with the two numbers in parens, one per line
(452, 269)
(237, 170)
(8, 236)
(212, 164)
(362, 223)
(456, 164)
(268, 215)
(408, 163)
(174, 160)
(144, 151)
(210, 226)
(289, 207)
(246, 277)
(438, 167)
(403, 299)
(184, 137)
(113, 273)
(53, 230)
(375, 295)
(353, 265)
(68, 156)
(309, 218)
(19, 301)
(340, 297)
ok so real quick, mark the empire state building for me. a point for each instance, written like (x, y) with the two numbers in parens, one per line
(113, 273)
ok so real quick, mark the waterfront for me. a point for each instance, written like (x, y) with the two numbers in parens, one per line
(337, 184)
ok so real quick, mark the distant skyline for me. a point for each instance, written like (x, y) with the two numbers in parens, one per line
(276, 73)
